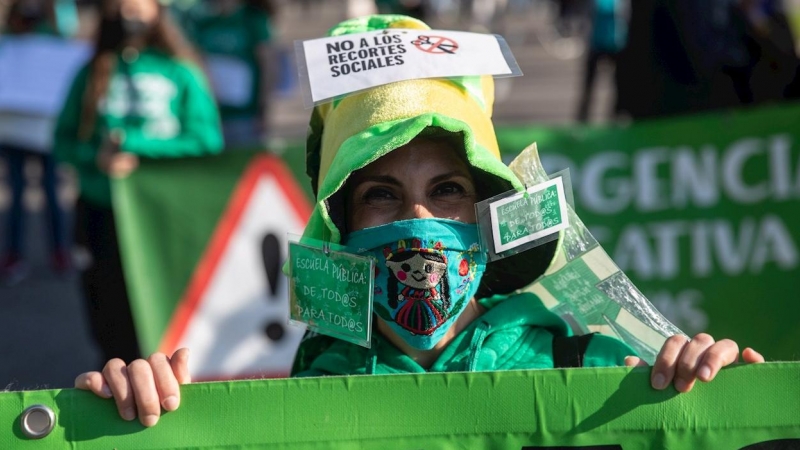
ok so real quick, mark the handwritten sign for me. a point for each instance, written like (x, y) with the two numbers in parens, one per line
(331, 292)
(586, 294)
(538, 212)
(339, 65)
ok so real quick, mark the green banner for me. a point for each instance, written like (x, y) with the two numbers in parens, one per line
(745, 407)
(701, 212)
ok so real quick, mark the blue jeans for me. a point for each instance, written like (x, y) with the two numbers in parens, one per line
(15, 161)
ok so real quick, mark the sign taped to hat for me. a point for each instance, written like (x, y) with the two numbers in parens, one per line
(335, 66)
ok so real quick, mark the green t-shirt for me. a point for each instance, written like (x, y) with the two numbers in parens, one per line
(229, 44)
(162, 106)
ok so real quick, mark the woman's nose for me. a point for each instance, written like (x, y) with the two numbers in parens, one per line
(418, 210)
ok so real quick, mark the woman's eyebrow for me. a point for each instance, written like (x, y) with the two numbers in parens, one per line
(448, 175)
(386, 179)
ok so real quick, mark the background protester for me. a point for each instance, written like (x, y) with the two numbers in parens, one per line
(773, 74)
(675, 56)
(417, 9)
(237, 40)
(141, 95)
(606, 40)
(31, 33)
(685, 56)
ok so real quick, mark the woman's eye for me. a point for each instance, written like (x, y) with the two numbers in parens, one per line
(377, 194)
(451, 188)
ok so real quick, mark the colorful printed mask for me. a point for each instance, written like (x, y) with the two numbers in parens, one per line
(427, 270)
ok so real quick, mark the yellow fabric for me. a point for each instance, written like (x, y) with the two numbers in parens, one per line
(402, 100)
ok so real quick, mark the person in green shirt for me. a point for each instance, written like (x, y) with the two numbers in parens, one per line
(397, 170)
(141, 95)
(237, 42)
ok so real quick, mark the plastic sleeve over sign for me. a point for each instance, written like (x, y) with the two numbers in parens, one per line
(586, 288)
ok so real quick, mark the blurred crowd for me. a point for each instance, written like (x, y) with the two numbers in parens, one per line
(144, 88)
(684, 56)
(153, 79)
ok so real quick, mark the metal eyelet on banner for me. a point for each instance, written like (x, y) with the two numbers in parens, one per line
(37, 421)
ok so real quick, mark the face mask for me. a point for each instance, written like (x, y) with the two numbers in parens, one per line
(116, 32)
(134, 28)
(427, 271)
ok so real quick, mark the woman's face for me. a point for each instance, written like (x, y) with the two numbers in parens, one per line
(142, 10)
(426, 178)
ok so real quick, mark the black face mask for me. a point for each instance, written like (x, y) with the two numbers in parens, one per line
(134, 28)
(32, 13)
(116, 32)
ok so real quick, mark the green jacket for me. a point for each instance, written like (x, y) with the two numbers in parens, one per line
(162, 106)
(515, 333)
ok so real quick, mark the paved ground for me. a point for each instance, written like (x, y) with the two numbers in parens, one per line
(43, 337)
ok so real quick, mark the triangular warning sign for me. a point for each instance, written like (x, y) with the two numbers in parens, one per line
(234, 314)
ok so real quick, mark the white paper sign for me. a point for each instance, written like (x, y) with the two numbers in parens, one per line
(231, 80)
(537, 212)
(340, 65)
(36, 72)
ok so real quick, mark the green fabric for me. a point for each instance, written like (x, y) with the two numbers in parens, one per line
(237, 35)
(574, 408)
(175, 116)
(515, 333)
(372, 23)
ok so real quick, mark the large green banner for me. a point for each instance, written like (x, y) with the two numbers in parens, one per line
(701, 212)
(745, 407)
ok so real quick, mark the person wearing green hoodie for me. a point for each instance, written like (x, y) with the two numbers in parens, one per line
(140, 96)
(397, 170)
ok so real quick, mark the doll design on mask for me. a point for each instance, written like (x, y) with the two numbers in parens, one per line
(418, 285)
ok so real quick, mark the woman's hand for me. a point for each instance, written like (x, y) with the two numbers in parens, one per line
(142, 387)
(682, 361)
(117, 164)
(111, 160)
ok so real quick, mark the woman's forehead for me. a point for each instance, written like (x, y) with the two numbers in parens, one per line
(423, 153)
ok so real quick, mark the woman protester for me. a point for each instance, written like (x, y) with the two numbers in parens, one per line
(237, 41)
(397, 170)
(142, 95)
